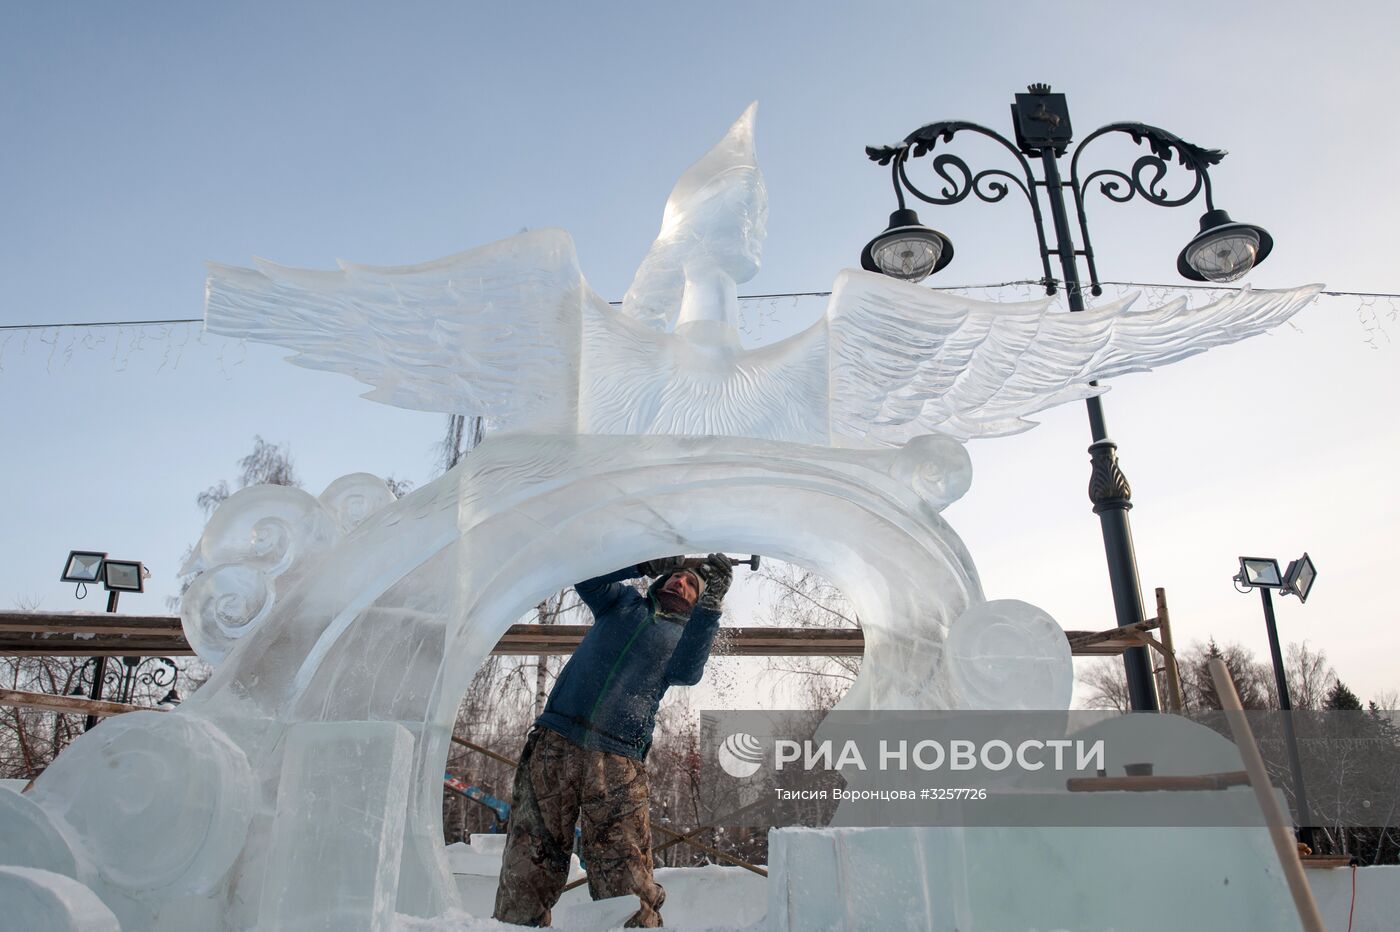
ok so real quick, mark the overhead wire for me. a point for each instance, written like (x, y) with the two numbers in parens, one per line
(747, 297)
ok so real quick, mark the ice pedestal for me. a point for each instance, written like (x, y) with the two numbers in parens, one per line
(43, 901)
(971, 880)
(338, 835)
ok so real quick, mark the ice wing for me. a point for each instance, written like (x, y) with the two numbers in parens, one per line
(493, 331)
(906, 360)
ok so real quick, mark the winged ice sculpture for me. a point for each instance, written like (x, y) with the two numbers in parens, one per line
(513, 332)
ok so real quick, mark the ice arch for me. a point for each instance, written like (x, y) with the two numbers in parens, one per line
(386, 623)
(392, 623)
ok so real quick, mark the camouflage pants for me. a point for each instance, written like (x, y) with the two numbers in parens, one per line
(557, 784)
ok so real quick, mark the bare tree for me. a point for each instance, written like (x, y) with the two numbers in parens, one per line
(464, 434)
(1105, 685)
(489, 716)
(267, 464)
(561, 608)
(31, 738)
(804, 599)
(1387, 699)
(1251, 677)
(1310, 677)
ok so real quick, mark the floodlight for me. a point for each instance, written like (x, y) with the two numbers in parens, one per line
(83, 566)
(123, 576)
(1259, 571)
(1299, 578)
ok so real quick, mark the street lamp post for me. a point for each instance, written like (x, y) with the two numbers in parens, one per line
(1222, 251)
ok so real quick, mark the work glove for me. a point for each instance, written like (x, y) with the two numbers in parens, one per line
(662, 566)
(718, 573)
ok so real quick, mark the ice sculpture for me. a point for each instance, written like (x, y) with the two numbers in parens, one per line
(836, 449)
(512, 331)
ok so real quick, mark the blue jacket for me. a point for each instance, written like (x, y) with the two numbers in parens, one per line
(607, 695)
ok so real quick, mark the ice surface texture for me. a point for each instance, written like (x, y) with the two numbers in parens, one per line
(949, 879)
(338, 834)
(41, 901)
(1008, 654)
(621, 435)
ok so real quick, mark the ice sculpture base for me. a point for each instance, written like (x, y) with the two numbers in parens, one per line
(1088, 880)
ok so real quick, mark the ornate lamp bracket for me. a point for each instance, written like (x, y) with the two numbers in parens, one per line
(1144, 179)
(990, 185)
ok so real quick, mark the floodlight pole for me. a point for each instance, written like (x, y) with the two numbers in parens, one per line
(1305, 832)
(99, 666)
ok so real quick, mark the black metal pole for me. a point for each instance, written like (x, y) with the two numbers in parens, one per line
(99, 666)
(127, 684)
(1108, 487)
(1305, 832)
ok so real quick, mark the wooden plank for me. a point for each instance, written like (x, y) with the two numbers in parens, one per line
(733, 642)
(1278, 821)
(1126, 632)
(1205, 781)
(1113, 648)
(88, 623)
(1326, 861)
(107, 647)
(90, 634)
(1174, 700)
(75, 704)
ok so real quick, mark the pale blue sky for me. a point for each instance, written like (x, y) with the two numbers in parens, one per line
(145, 138)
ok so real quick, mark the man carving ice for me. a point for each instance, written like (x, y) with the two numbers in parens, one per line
(584, 757)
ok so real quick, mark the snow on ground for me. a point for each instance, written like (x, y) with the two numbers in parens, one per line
(713, 898)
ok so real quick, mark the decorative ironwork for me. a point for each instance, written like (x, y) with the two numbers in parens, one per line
(1108, 487)
(1144, 179)
(989, 185)
(958, 188)
(1163, 145)
(922, 141)
(155, 676)
(1150, 189)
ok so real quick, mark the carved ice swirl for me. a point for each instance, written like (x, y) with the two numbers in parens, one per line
(257, 535)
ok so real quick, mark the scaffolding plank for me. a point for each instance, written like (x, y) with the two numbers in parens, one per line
(74, 704)
(90, 634)
(12, 622)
